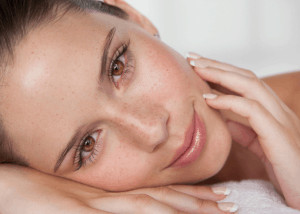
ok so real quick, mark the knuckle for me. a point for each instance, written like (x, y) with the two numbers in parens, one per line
(254, 80)
(260, 82)
(200, 203)
(255, 105)
(251, 73)
(142, 202)
(143, 199)
(206, 204)
(145, 203)
(163, 191)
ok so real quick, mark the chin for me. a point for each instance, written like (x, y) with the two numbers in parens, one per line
(214, 154)
(218, 150)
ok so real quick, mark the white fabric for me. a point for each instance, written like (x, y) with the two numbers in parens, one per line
(257, 197)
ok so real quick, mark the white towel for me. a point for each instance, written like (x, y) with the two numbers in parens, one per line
(256, 197)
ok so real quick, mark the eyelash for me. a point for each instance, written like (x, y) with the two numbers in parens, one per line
(128, 67)
(78, 162)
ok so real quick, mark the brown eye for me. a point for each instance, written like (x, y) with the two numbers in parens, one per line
(89, 144)
(118, 68)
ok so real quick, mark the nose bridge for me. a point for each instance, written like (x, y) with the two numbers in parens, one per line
(145, 126)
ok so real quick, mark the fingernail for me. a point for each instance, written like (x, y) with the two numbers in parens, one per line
(228, 207)
(221, 190)
(193, 55)
(209, 96)
(197, 64)
(192, 63)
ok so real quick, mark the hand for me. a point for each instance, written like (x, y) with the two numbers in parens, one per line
(25, 191)
(274, 133)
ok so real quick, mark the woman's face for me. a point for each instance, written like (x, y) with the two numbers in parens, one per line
(119, 129)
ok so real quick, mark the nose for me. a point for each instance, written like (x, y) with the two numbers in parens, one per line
(145, 128)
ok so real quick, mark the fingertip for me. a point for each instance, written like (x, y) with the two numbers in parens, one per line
(193, 63)
(209, 96)
(193, 55)
(197, 64)
(220, 192)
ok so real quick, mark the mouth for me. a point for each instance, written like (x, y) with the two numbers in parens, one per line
(190, 150)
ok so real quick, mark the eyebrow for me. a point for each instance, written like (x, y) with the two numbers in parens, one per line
(108, 41)
(75, 137)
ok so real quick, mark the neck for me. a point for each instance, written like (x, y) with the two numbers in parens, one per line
(241, 164)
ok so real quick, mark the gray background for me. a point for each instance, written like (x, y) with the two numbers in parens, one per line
(261, 35)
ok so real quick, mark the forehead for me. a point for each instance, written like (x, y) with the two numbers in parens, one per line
(46, 88)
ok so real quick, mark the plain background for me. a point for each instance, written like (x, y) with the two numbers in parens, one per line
(260, 35)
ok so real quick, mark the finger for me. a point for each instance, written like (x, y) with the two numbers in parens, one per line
(205, 62)
(269, 131)
(202, 192)
(182, 201)
(229, 115)
(84, 209)
(226, 67)
(134, 203)
(251, 88)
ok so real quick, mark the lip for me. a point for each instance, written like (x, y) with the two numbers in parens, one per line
(190, 150)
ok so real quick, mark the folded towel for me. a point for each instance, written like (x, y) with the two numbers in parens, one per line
(257, 197)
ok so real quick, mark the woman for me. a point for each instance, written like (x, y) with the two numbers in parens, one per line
(92, 96)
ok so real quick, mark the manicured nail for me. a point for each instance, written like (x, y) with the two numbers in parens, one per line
(193, 55)
(209, 96)
(197, 64)
(221, 190)
(192, 63)
(228, 207)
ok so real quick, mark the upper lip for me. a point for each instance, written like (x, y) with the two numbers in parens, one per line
(186, 143)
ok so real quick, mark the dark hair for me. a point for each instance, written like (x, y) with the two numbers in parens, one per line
(17, 19)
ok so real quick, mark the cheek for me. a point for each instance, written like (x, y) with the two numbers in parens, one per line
(163, 72)
(123, 169)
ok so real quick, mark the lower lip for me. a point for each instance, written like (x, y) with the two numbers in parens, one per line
(195, 146)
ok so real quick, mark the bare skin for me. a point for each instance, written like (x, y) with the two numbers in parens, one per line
(241, 163)
(238, 154)
(284, 85)
(231, 171)
(287, 88)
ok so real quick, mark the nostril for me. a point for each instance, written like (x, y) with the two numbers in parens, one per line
(157, 147)
(159, 142)
(161, 134)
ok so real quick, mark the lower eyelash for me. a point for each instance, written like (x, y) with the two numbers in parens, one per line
(129, 66)
(78, 162)
(92, 157)
(77, 159)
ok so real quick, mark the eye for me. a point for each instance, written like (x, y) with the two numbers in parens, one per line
(88, 146)
(87, 150)
(122, 65)
(118, 68)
